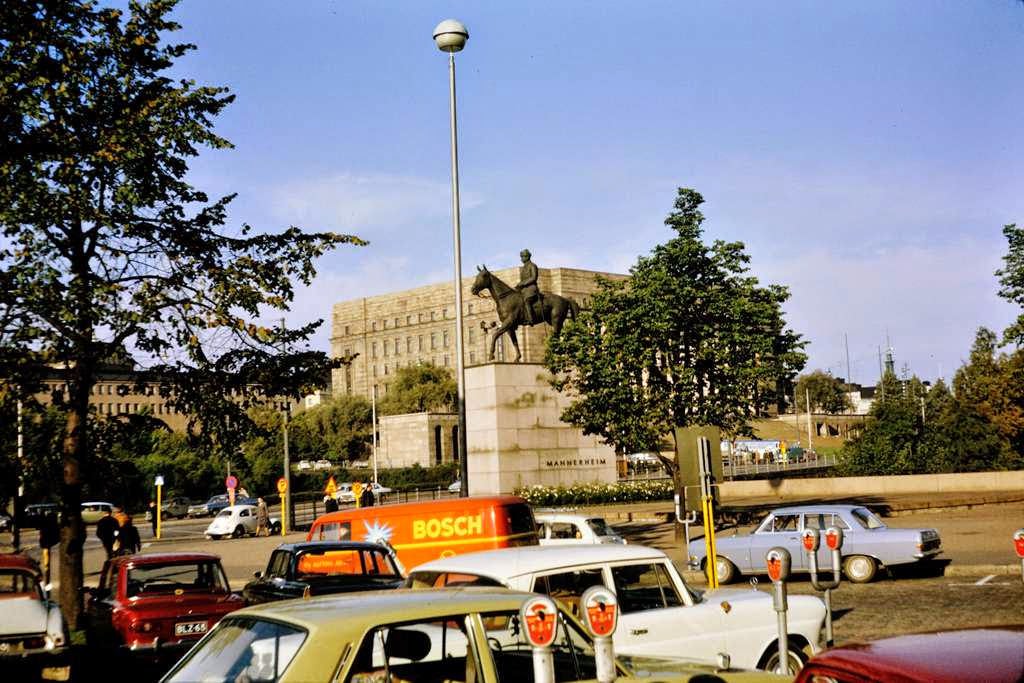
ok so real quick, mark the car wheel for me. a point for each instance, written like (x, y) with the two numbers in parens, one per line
(275, 528)
(770, 660)
(238, 532)
(212, 537)
(726, 570)
(860, 568)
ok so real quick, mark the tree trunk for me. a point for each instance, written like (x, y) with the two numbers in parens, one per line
(72, 530)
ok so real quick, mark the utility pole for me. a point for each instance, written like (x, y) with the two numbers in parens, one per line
(810, 443)
(20, 493)
(286, 496)
(373, 429)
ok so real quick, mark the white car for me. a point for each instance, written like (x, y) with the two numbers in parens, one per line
(237, 521)
(566, 528)
(455, 487)
(660, 615)
(304, 465)
(322, 465)
(33, 635)
(345, 495)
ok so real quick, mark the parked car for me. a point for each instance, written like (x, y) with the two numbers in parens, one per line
(36, 512)
(304, 465)
(5, 522)
(567, 528)
(33, 634)
(237, 521)
(868, 544)
(175, 506)
(322, 568)
(322, 465)
(661, 616)
(346, 496)
(165, 600)
(993, 655)
(211, 507)
(455, 487)
(406, 636)
(94, 510)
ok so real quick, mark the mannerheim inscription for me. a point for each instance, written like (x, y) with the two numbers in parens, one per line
(576, 462)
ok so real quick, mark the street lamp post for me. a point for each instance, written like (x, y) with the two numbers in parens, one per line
(451, 36)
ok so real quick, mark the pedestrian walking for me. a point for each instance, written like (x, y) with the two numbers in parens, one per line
(262, 517)
(366, 498)
(152, 516)
(330, 505)
(106, 531)
(128, 536)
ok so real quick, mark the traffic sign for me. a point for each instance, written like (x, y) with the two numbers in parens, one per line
(159, 480)
(540, 615)
(231, 482)
(1018, 542)
(332, 486)
(282, 485)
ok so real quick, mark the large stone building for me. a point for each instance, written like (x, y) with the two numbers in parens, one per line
(390, 331)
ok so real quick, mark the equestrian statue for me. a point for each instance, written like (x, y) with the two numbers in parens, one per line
(523, 304)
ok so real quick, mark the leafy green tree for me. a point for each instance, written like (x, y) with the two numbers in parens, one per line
(420, 388)
(338, 429)
(108, 245)
(891, 441)
(1011, 280)
(690, 339)
(827, 394)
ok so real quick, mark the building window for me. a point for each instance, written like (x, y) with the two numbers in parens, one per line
(444, 339)
(419, 343)
(396, 321)
(385, 368)
(433, 340)
(386, 345)
(419, 317)
(408, 320)
(398, 346)
(432, 315)
(408, 344)
(374, 370)
(438, 453)
(472, 335)
(373, 349)
(472, 357)
(471, 309)
(373, 326)
(346, 330)
(446, 361)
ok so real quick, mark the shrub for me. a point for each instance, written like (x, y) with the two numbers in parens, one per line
(587, 494)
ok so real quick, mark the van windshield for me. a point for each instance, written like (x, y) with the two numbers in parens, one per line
(520, 519)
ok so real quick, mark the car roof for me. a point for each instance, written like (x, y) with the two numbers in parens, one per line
(797, 509)
(513, 562)
(237, 506)
(330, 545)
(164, 558)
(554, 516)
(980, 654)
(350, 612)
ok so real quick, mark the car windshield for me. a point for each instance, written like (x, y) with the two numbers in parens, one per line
(600, 527)
(867, 519)
(241, 649)
(17, 583)
(176, 578)
(346, 562)
(226, 512)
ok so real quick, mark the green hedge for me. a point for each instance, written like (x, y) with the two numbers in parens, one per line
(622, 492)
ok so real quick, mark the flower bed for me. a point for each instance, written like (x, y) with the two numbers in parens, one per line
(622, 492)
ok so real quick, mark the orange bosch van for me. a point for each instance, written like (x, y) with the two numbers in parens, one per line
(429, 530)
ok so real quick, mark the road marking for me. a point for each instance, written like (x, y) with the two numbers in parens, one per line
(982, 582)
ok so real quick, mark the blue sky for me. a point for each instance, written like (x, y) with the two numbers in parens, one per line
(867, 153)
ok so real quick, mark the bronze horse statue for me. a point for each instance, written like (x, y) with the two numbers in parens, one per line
(512, 308)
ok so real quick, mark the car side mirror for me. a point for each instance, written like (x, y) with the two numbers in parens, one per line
(257, 574)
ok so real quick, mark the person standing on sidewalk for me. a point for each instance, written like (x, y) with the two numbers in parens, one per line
(106, 531)
(152, 516)
(262, 517)
(129, 537)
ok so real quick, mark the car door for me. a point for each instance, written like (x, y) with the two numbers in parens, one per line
(248, 520)
(658, 618)
(100, 608)
(777, 530)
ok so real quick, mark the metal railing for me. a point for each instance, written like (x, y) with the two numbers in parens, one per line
(742, 469)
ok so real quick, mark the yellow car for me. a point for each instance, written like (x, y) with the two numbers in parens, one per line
(469, 634)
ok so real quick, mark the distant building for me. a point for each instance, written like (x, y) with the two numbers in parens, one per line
(391, 331)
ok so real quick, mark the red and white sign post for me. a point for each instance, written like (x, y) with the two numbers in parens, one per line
(231, 483)
(777, 561)
(1018, 545)
(539, 617)
(601, 616)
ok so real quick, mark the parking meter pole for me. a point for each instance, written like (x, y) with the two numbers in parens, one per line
(543, 665)
(1018, 545)
(777, 561)
(600, 612)
(811, 542)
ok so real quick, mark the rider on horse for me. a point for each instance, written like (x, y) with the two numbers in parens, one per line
(527, 286)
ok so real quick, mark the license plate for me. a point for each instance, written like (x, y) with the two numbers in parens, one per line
(190, 628)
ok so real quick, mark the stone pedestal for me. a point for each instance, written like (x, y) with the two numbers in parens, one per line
(515, 437)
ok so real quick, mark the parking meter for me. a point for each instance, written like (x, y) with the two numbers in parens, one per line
(540, 618)
(601, 616)
(1018, 544)
(834, 541)
(778, 563)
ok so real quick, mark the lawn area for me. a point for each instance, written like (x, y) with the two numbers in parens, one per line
(793, 430)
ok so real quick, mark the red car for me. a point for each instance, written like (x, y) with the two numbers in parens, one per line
(993, 655)
(159, 600)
